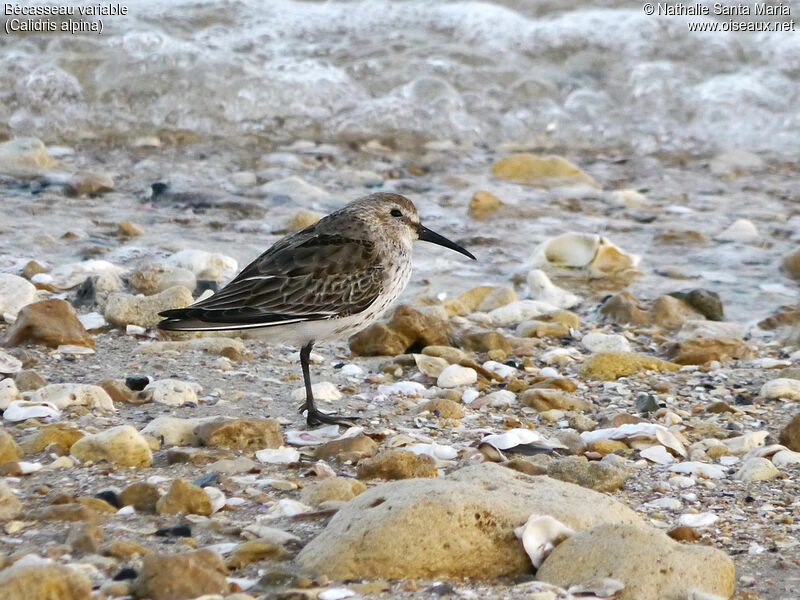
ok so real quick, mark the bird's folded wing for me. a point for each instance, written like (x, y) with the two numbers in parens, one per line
(311, 278)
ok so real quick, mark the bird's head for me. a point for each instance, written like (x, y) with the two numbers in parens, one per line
(399, 219)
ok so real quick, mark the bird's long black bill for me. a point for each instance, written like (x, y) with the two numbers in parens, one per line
(426, 235)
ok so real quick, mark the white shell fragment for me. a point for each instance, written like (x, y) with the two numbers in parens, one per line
(336, 594)
(278, 456)
(438, 451)
(633, 430)
(699, 469)
(498, 368)
(286, 508)
(658, 454)
(74, 349)
(540, 535)
(22, 410)
(741, 230)
(517, 437)
(93, 320)
(698, 520)
(313, 437)
(217, 498)
(543, 289)
(589, 252)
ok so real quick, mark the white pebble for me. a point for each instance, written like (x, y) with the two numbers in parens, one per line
(323, 390)
(698, 520)
(92, 320)
(741, 230)
(278, 456)
(595, 341)
(174, 392)
(788, 389)
(455, 376)
(217, 498)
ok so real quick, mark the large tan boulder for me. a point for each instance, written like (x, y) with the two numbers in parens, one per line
(459, 526)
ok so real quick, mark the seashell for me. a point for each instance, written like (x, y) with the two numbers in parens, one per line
(521, 440)
(437, 451)
(541, 288)
(540, 535)
(572, 250)
(313, 437)
(74, 349)
(657, 454)
(286, 508)
(278, 456)
(498, 368)
(699, 469)
(634, 430)
(93, 320)
(23, 409)
(322, 390)
(323, 470)
(432, 366)
(336, 594)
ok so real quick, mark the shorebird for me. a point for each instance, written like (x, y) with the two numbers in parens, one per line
(328, 280)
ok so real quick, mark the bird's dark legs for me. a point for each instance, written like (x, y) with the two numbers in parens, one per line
(314, 417)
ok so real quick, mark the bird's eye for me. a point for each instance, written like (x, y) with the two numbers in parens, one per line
(395, 212)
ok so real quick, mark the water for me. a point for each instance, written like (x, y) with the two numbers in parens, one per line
(595, 76)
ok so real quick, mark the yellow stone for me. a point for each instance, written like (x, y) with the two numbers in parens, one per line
(483, 205)
(541, 171)
(611, 365)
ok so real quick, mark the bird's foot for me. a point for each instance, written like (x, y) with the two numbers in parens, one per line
(315, 418)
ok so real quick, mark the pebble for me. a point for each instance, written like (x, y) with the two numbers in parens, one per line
(278, 456)
(595, 341)
(126, 309)
(781, 388)
(541, 171)
(757, 469)
(302, 219)
(484, 205)
(155, 278)
(8, 393)
(15, 292)
(791, 264)
(397, 464)
(456, 376)
(65, 395)
(705, 350)
(204, 265)
(49, 322)
(332, 488)
(612, 365)
(10, 505)
(181, 576)
(300, 191)
(741, 230)
(186, 498)
(43, 582)
(173, 392)
(521, 310)
(322, 390)
(105, 275)
(121, 445)
(790, 434)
